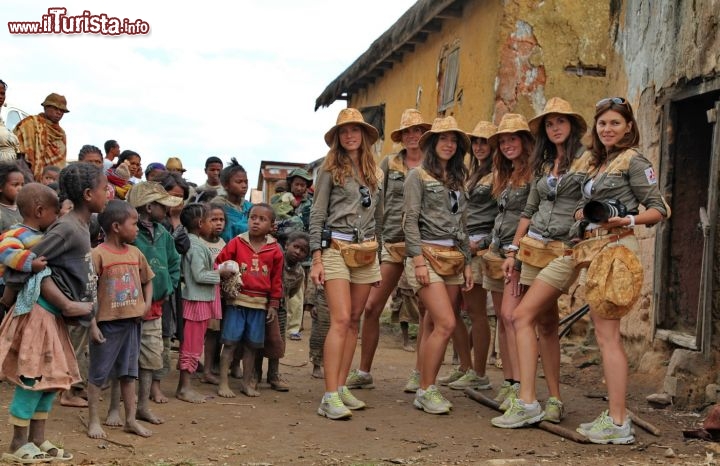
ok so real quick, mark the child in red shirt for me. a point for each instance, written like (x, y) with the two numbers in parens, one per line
(261, 266)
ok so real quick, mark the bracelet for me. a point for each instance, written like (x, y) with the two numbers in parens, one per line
(632, 221)
(512, 247)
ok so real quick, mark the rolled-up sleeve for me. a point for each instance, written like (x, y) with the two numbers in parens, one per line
(643, 182)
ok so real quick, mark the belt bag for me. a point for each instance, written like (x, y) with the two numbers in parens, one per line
(492, 264)
(585, 251)
(396, 250)
(357, 254)
(446, 261)
(538, 253)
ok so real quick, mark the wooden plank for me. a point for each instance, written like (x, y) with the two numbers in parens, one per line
(684, 340)
(662, 242)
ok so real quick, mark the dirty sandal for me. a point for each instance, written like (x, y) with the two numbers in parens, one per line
(27, 454)
(60, 453)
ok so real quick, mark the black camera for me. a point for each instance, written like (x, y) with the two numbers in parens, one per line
(325, 238)
(601, 211)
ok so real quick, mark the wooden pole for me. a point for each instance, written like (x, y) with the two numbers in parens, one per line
(544, 425)
(640, 422)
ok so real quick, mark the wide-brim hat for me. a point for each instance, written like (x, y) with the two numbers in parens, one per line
(557, 105)
(145, 192)
(445, 125)
(351, 116)
(483, 130)
(410, 117)
(614, 282)
(509, 124)
(302, 173)
(56, 100)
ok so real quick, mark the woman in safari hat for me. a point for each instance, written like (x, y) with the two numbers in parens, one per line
(617, 171)
(438, 254)
(512, 175)
(547, 219)
(395, 168)
(481, 212)
(347, 214)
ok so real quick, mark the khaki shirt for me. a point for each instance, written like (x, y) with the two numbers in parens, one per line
(428, 214)
(395, 171)
(629, 178)
(339, 208)
(510, 206)
(482, 207)
(553, 219)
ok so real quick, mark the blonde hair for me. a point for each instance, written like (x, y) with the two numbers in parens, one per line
(338, 163)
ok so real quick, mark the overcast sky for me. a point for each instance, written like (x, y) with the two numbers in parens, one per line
(211, 78)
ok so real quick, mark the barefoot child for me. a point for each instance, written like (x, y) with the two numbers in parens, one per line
(212, 336)
(261, 265)
(48, 364)
(199, 297)
(124, 296)
(151, 202)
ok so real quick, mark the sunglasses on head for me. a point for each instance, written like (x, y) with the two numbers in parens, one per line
(454, 204)
(611, 100)
(365, 198)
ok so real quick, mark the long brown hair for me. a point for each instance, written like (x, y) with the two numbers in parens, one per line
(546, 151)
(453, 177)
(338, 162)
(518, 174)
(478, 169)
(631, 139)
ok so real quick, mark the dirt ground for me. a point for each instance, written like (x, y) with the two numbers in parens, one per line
(283, 428)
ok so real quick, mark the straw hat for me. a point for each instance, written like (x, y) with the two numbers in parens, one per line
(174, 163)
(484, 129)
(557, 105)
(614, 281)
(444, 125)
(56, 100)
(351, 116)
(510, 123)
(409, 118)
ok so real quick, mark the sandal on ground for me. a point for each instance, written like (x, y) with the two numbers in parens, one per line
(60, 454)
(27, 454)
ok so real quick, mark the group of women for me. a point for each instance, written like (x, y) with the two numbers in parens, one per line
(456, 229)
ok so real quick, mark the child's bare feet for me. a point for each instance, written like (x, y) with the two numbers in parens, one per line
(224, 391)
(318, 372)
(77, 309)
(95, 431)
(68, 398)
(189, 395)
(145, 414)
(156, 393)
(209, 378)
(236, 372)
(134, 427)
(249, 389)
(113, 419)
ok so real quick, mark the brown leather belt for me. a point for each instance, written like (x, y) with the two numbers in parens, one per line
(613, 234)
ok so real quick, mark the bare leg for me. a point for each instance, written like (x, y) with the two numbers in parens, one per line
(615, 366)
(113, 417)
(36, 433)
(461, 341)
(226, 357)
(211, 344)
(549, 343)
(358, 296)
(127, 386)
(439, 300)
(143, 408)
(509, 303)
(248, 384)
(236, 367)
(156, 393)
(420, 334)
(476, 304)
(502, 336)
(405, 329)
(20, 437)
(374, 306)
(337, 293)
(185, 391)
(94, 428)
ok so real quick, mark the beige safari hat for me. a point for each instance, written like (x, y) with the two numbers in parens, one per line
(509, 124)
(410, 117)
(614, 282)
(351, 116)
(484, 129)
(56, 100)
(145, 192)
(444, 125)
(557, 105)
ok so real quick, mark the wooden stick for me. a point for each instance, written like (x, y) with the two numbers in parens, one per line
(644, 424)
(544, 425)
(115, 442)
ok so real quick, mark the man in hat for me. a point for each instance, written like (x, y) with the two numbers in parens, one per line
(174, 164)
(41, 138)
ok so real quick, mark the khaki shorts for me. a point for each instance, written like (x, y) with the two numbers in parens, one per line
(151, 345)
(494, 284)
(386, 257)
(477, 270)
(335, 268)
(458, 279)
(559, 273)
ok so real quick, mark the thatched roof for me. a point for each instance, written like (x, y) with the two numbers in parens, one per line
(413, 27)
